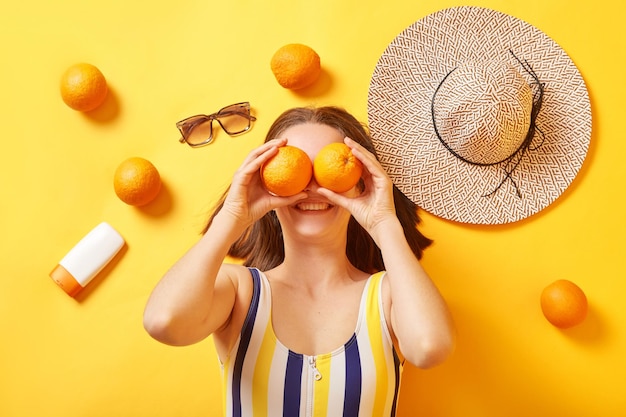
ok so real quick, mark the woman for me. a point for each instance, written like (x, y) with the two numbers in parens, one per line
(309, 324)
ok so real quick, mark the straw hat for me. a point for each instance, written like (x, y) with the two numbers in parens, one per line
(478, 117)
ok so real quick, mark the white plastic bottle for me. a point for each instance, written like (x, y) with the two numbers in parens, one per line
(90, 255)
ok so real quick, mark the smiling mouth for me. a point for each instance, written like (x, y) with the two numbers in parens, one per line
(313, 206)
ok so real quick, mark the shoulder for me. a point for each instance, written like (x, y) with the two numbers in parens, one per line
(385, 297)
(240, 278)
(235, 273)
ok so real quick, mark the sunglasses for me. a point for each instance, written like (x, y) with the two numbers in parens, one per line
(198, 130)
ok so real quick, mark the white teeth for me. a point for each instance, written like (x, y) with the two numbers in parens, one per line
(313, 206)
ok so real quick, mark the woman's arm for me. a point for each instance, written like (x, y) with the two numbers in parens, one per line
(420, 319)
(197, 295)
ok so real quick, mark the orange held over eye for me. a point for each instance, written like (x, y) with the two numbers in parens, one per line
(336, 168)
(136, 181)
(564, 304)
(288, 172)
(295, 66)
(83, 87)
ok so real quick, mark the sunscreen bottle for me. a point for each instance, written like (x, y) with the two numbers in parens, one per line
(90, 255)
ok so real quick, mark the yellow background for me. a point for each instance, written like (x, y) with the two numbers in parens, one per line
(166, 60)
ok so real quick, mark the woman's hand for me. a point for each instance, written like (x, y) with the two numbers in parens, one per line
(375, 204)
(247, 199)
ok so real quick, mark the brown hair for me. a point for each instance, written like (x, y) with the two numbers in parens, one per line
(262, 246)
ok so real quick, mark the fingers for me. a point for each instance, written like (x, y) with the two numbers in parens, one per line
(334, 198)
(370, 163)
(277, 201)
(258, 156)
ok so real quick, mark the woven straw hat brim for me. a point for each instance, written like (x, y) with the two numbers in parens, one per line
(399, 116)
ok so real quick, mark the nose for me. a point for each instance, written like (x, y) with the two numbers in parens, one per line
(312, 185)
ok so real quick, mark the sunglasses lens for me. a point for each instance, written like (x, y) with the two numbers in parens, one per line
(198, 131)
(235, 119)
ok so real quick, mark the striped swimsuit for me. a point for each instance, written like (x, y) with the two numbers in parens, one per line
(263, 378)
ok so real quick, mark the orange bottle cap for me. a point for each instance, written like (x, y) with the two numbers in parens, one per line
(65, 280)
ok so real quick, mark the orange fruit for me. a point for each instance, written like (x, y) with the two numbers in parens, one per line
(295, 66)
(288, 172)
(136, 181)
(83, 87)
(564, 304)
(336, 168)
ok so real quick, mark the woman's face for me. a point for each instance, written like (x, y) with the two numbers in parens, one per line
(314, 216)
